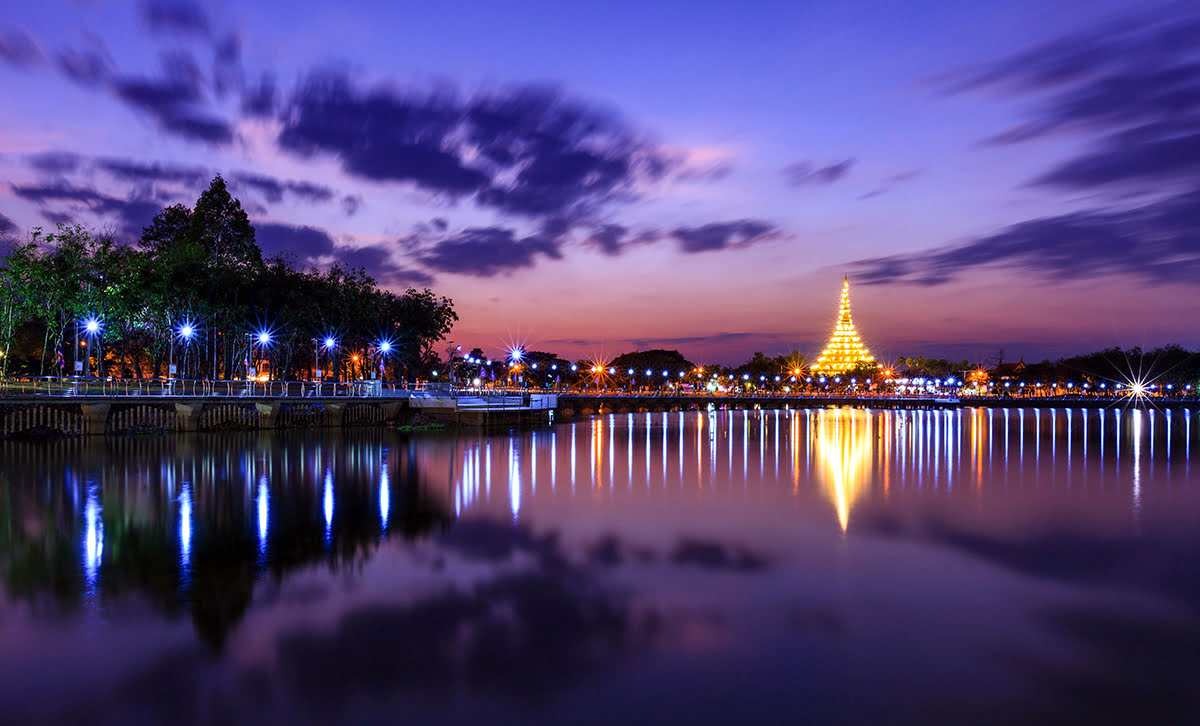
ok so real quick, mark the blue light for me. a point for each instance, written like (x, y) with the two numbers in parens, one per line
(631, 371)
(92, 326)
(516, 354)
(385, 346)
(330, 343)
(264, 337)
(186, 331)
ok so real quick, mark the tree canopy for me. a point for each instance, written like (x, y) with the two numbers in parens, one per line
(201, 268)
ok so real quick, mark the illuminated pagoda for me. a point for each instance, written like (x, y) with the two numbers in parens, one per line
(845, 349)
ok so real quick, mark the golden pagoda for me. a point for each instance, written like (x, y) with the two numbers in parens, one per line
(845, 349)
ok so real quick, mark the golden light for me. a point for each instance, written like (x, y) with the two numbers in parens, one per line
(845, 350)
(844, 442)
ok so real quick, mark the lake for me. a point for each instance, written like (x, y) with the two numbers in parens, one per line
(815, 566)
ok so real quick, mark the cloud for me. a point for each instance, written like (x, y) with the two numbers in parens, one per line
(260, 100)
(131, 214)
(723, 235)
(890, 183)
(273, 189)
(608, 239)
(1130, 90)
(1132, 86)
(303, 241)
(1155, 242)
(177, 104)
(489, 251)
(806, 173)
(351, 203)
(7, 226)
(179, 17)
(525, 151)
(141, 172)
(54, 162)
(311, 245)
(18, 48)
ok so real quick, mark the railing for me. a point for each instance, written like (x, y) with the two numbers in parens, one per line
(82, 386)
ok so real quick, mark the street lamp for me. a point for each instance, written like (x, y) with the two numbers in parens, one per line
(184, 332)
(92, 327)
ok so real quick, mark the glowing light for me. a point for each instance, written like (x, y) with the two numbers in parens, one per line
(385, 496)
(845, 350)
(516, 354)
(186, 331)
(385, 346)
(93, 537)
(185, 525)
(263, 514)
(327, 504)
(330, 343)
(92, 326)
(264, 337)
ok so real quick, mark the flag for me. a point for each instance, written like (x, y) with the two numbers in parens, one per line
(59, 359)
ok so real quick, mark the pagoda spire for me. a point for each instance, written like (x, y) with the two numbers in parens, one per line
(845, 349)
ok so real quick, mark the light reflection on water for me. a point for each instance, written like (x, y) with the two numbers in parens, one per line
(845, 534)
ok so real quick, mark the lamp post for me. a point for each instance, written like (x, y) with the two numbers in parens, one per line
(92, 328)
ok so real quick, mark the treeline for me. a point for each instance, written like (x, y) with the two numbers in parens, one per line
(195, 289)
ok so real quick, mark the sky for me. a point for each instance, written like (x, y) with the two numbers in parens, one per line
(589, 179)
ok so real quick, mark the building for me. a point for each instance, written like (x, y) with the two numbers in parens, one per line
(845, 350)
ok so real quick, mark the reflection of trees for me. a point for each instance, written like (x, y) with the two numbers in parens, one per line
(42, 510)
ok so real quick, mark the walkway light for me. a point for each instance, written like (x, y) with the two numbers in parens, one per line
(186, 331)
(264, 338)
(385, 346)
(330, 343)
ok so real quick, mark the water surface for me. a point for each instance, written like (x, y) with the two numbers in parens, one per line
(753, 566)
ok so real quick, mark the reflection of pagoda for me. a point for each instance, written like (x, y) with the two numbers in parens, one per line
(845, 349)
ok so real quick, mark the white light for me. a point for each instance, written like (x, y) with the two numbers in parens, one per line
(264, 337)
(631, 371)
(330, 342)
(92, 325)
(385, 347)
(186, 331)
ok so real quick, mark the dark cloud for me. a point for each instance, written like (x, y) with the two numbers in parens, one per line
(527, 151)
(380, 263)
(304, 242)
(85, 66)
(54, 162)
(1130, 90)
(723, 235)
(489, 251)
(608, 239)
(1131, 86)
(273, 189)
(351, 203)
(1155, 242)
(131, 214)
(260, 100)
(18, 48)
(179, 17)
(806, 173)
(7, 226)
(177, 102)
(141, 172)
(890, 183)
(310, 245)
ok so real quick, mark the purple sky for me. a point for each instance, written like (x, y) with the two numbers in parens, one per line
(1019, 175)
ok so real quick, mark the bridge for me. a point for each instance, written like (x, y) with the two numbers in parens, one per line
(53, 408)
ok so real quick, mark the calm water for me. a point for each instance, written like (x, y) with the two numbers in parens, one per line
(754, 567)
